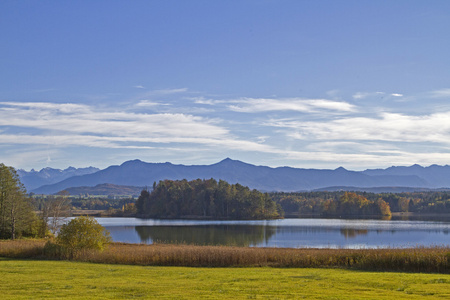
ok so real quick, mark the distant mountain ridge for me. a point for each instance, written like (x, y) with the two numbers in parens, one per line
(139, 173)
(34, 179)
(436, 176)
(380, 189)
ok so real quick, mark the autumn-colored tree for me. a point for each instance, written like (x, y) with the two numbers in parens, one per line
(83, 233)
(383, 207)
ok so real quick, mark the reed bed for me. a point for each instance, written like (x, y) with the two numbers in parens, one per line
(420, 259)
(24, 248)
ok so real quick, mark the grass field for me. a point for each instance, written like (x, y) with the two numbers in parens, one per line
(34, 279)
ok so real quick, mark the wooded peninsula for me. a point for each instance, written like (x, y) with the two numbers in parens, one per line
(205, 199)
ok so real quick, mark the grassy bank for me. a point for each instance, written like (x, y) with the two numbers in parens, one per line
(432, 260)
(31, 279)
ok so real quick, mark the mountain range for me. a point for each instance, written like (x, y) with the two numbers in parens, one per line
(287, 179)
(46, 176)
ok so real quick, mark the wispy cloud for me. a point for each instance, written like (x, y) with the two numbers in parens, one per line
(202, 100)
(47, 106)
(151, 97)
(442, 93)
(256, 105)
(392, 127)
(362, 161)
(81, 125)
(168, 91)
(148, 103)
(364, 95)
(26, 154)
(83, 119)
(333, 93)
(252, 105)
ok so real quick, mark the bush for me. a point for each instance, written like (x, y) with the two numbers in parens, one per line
(52, 250)
(83, 233)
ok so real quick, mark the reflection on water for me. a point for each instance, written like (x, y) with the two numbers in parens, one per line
(227, 235)
(431, 217)
(291, 233)
(351, 233)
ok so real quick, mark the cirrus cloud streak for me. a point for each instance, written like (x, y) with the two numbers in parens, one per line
(65, 125)
(252, 105)
(393, 127)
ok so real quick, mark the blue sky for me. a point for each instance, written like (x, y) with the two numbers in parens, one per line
(310, 84)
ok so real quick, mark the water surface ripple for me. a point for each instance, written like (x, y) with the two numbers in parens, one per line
(291, 233)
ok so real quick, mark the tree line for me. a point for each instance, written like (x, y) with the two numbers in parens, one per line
(419, 202)
(362, 203)
(331, 204)
(91, 203)
(205, 199)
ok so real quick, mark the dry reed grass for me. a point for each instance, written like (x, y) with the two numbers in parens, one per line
(420, 259)
(24, 248)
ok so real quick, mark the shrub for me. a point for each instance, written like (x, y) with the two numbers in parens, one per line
(83, 233)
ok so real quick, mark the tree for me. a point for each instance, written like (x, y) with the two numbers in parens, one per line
(353, 204)
(383, 207)
(83, 233)
(403, 204)
(16, 213)
(141, 203)
(55, 210)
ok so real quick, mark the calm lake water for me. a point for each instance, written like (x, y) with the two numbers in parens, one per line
(291, 233)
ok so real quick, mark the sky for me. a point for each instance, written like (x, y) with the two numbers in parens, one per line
(307, 84)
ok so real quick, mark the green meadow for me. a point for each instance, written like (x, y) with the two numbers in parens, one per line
(35, 279)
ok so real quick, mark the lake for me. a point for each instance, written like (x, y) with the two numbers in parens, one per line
(290, 233)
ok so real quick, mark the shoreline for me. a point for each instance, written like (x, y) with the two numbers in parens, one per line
(105, 214)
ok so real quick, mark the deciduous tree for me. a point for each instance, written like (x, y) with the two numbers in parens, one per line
(16, 213)
(55, 210)
(83, 233)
